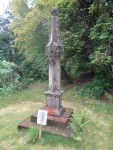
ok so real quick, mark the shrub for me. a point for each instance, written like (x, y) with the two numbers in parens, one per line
(95, 89)
(9, 78)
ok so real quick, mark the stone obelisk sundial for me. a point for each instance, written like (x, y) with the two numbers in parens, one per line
(54, 49)
(58, 116)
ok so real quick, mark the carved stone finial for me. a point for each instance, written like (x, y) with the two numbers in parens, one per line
(54, 12)
(54, 47)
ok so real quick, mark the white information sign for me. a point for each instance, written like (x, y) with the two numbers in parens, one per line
(42, 117)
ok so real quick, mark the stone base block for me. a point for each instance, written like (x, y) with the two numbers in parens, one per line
(56, 125)
(53, 99)
(65, 132)
(62, 120)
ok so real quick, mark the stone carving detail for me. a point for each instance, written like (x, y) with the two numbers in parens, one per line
(54, 46)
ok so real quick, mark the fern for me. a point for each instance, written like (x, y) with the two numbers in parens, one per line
(77, 123)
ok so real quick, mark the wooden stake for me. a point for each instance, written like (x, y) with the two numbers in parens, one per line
(40, 131)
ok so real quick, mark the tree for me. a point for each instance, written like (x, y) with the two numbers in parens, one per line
(86, 27)
(6, 40)
(30, 26)
(102, 35)
(87, 30)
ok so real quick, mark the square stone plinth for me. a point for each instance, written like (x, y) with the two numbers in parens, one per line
(53, 99)
(56, 125)
(53, 103)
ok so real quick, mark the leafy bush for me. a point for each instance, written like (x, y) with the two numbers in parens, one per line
(36, 69)
(102, 35)
(77, 123)
(95, 89)
(9, 78)
(87, 35)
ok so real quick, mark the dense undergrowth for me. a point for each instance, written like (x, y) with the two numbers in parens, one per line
(95, 89)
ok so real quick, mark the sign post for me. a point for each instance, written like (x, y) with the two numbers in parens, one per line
(41, 120)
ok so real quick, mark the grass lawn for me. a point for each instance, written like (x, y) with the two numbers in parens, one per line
(14, 108)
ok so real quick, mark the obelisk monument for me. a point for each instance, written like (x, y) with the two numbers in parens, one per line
(58, 116)
(54, 49)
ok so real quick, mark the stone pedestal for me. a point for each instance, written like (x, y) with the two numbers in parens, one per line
(53, 103)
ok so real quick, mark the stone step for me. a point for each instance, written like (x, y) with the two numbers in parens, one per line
(56, 120)
(63, 131)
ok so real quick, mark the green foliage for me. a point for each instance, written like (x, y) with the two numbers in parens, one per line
(34, 70)
(74, 35)
(100, 59)
(31, 27)
(77, 123)
(9, 79)
(5, 48)
(31, 30)
(101, 34)
(32, 135)
(87, 31)
(73, 46)
(6, 40)
(95, 89)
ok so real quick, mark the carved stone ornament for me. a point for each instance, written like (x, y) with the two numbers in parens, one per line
(54, 47)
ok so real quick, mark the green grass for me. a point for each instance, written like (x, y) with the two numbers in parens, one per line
(32, 93)
(97, 133)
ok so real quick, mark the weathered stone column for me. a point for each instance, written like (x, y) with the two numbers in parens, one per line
(54, 49)
(58, 117)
